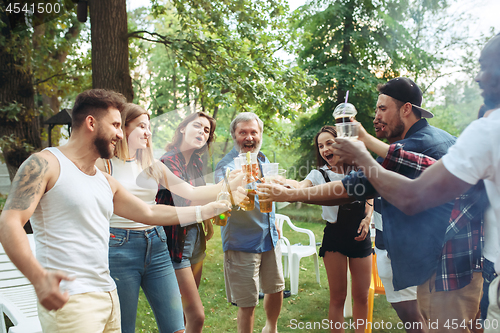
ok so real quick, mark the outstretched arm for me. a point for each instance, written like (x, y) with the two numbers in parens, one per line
(200, 194)
(27, 188)
(434, 187)
(129, 206)
(329, 194)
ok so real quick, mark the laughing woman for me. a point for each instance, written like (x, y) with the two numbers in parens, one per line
(191, 139)
(138, 253)
(345, 242)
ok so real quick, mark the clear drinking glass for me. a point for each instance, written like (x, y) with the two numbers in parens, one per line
(270, 172)
(344, 114)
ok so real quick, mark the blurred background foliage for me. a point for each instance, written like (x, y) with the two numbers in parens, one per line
(224, 57)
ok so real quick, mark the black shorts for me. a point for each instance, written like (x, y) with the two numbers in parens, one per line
(339, 237)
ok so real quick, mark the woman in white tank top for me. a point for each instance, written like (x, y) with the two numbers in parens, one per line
(138, 253)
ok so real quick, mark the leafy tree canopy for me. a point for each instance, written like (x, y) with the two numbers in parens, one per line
(353, 45)
(228, 49)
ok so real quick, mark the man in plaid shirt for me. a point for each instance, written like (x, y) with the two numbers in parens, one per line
(461, 254)
(414, 243)
(463, 241)
(473, 158)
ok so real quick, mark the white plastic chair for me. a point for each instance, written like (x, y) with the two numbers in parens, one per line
(295, 252)
(17, 297)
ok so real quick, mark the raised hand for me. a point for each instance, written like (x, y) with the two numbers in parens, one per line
(214, 208)
(240, 195)
(272, 192)
(350, 151)
(235, 179)
(362, 134)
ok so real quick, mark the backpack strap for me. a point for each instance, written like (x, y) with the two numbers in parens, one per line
(323, 172)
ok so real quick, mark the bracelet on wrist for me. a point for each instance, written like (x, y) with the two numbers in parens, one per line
(199, 218)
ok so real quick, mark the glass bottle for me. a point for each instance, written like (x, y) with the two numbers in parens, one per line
(223, 196)
(250, 185)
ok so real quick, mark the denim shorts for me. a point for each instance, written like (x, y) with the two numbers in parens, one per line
(140, 259)
(192, 252)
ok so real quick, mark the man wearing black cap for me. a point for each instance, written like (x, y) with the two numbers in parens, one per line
(475, 157)
(414, 243)
(398, 111)
(399, 108)
(398, 119)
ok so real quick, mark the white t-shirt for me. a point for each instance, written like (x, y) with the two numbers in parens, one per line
(475, 156)
(316, 178)
(377, 220)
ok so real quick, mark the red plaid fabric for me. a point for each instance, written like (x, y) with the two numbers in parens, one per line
(191, 173)
(461, 254)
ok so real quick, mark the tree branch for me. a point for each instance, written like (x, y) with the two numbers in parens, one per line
(37, 82)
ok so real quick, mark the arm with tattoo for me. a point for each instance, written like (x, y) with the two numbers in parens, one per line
(27, 188)
(27, 183)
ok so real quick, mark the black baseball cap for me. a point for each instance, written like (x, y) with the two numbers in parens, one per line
(405, 90)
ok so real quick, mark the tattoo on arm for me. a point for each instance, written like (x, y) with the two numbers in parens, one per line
(27, 183)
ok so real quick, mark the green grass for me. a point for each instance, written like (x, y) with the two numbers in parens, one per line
(310, 305)
(3, 198)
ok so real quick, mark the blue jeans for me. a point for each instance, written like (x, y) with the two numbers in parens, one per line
(140, 258)
(488, 276)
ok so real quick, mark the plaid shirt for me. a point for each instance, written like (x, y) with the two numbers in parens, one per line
(192, 174)
(461, 254)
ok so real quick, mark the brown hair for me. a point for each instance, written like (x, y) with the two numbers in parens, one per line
(320, 161)
(95, 102)
(177, 139)
(143, 156)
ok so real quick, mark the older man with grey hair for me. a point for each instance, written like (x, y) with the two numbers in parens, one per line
(250, 240)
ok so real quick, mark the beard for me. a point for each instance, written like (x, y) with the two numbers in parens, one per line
(256, 146)
(391, 133)
(102, 144)
(397, 131)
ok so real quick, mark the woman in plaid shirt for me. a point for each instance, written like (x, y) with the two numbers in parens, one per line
(187, 245)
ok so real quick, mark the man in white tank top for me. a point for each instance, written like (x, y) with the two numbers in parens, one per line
(70, 202)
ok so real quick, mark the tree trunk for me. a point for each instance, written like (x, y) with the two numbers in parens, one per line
(16, 85)
(216, 110)
(108, 26)
(346, 54)
(227, 140)
(52, 102)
